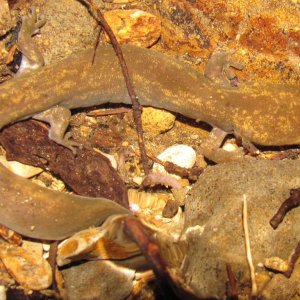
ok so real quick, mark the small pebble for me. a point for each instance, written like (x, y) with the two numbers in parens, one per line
(110, 157)
(230, 147)
(157, 121)
(133, 26)
(170, 209)
(46, 247)
(276, 264)
(2, 292)
(20, 169)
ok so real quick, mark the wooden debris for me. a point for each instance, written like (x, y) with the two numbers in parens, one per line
(232, 293)
(291, 202)
(88, 173)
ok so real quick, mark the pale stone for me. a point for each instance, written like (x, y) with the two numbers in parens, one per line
(2, 292)
(20, 169)
(181, 155)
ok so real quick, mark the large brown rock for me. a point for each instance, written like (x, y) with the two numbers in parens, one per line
(215, 233)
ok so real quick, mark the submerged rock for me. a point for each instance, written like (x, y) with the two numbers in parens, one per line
(214, 231)
(98, 280)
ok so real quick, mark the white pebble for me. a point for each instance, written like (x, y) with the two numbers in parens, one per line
(230, 147)
(46, 247)
(2, 292)
(110, 157)
(20, 169)
(181, 155)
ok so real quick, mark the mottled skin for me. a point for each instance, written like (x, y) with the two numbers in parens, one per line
(264, 114)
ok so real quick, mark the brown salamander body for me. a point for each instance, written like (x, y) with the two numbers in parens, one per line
(262, 114)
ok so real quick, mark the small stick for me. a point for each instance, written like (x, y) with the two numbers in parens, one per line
(232, 293)
(291, 202)
(52, 262)
(150, 249)
(293, 260)
(136, 107)
(108, 112)
(135, 230)
(248, 249)
(96, 44)
(170, 167)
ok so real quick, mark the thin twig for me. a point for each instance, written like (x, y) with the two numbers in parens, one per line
(293, 260)
(52, 262)
(291, 202)
(151, 251)
(248, 249)
(108, 112)
(136, 107)
(232, 293)
(96, 43)
(191, 173)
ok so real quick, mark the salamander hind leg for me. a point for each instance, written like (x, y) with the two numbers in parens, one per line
(58, 117)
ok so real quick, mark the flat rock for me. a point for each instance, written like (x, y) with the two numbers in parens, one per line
(98, 280)
(214, 229)
(28, 269)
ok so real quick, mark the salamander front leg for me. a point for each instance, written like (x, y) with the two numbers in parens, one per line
(58, 117)
(218, 68)
(210, 148)
(32, 57)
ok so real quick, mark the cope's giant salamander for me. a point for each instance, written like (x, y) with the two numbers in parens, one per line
(265, 114)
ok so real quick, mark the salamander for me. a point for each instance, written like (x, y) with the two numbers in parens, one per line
(260, 113)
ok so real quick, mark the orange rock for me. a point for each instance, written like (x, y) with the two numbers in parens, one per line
(5, 18)
(196, 27)
(31, 271)
(134, 26)
(106, 242)
(157, 121)
(264, 34)
(5, 278)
